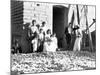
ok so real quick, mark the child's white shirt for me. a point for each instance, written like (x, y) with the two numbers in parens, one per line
(34, 29)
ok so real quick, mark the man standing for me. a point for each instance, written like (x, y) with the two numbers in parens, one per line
(68, 36)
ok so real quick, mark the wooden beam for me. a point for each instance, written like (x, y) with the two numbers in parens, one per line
(89, 33)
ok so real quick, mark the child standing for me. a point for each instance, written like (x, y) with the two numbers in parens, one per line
(54, 43)
(47, 41)
(40, 40)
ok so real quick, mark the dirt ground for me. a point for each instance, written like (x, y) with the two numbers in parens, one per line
(52, 62)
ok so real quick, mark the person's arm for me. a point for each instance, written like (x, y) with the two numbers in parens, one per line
(29, 33)
(66, 30)
(79, 33)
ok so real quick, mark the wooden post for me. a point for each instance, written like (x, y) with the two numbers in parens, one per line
(78, 18)
(89, 33)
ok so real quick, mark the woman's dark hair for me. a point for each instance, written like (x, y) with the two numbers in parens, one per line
(76, 27)
(48, 31)
(38, 26)
(66, 30)
(43, 22)
(33, 21)
(41, 29)
(70, 23)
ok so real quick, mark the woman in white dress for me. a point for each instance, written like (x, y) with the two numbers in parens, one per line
(54, 43)
(47, 41)
(78, 41)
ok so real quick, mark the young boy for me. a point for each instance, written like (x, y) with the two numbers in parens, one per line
(40, 40)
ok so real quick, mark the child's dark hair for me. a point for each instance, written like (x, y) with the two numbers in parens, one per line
(40, 29)
(33, 21)
(48, 31)
(43, 22)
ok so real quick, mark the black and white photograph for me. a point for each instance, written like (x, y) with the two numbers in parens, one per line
(52, 37)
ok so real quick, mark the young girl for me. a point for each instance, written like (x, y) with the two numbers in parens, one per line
(47, 41)
(54, 43)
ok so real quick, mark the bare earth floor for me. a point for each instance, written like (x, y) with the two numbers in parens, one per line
(52, 62)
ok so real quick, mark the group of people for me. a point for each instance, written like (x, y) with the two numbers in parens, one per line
(76, 30)
(39, 38)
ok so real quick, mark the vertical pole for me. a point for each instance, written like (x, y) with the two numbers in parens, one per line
(89, 33)
(78, 18)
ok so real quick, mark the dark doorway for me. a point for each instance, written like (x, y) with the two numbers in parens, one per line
(60, 21)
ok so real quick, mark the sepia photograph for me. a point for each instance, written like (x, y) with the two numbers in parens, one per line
(52, 37)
